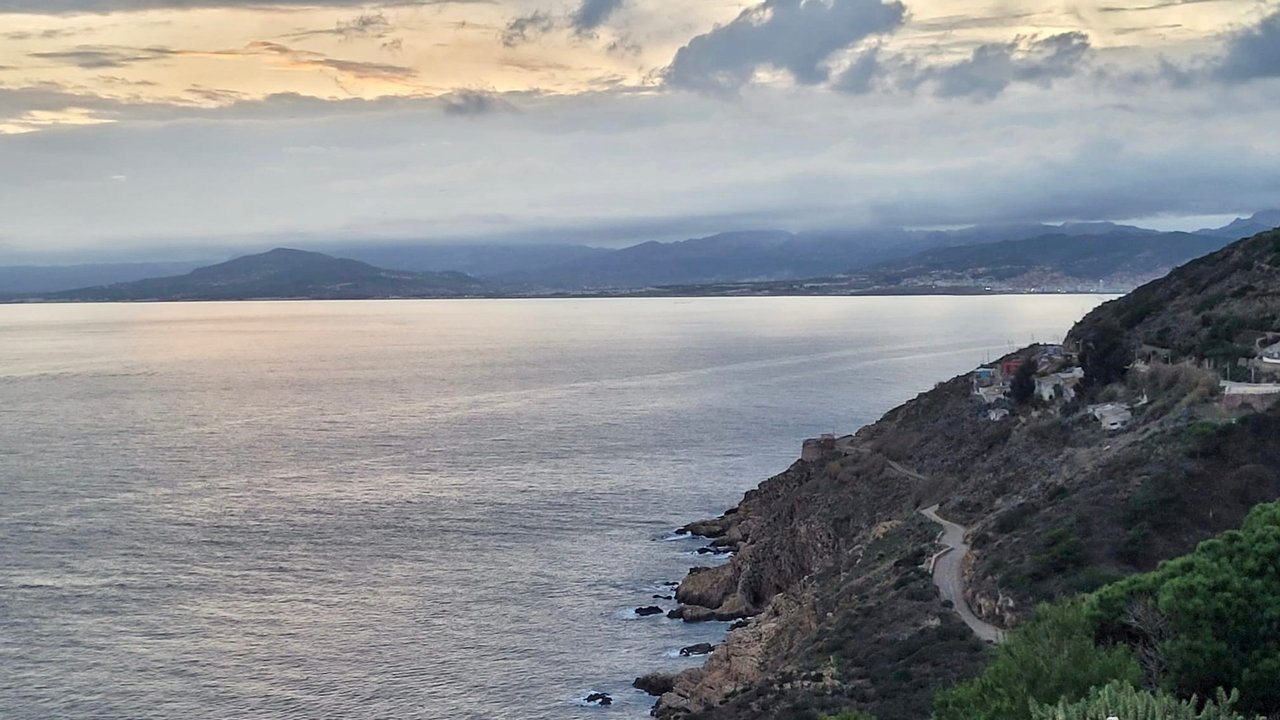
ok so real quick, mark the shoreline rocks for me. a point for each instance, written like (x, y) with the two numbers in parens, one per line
(703, 648)
(656, 684)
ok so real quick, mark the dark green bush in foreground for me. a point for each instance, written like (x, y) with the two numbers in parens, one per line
(1203, 622)
(1050, 658)
(1124, 701)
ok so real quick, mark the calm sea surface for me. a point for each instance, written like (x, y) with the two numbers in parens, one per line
(408, 509)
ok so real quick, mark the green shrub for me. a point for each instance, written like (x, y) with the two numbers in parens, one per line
(1120, 700)
(1215, 615)
(1062, 551)
(1051, 657)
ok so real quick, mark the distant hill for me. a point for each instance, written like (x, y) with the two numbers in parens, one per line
(482, 260)
(283, 273)
(35, 279)
(1244, 227)
(1217, 307)
(1118, 258)
(771, 255)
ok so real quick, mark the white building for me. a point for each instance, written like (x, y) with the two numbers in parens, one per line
(1112, 416)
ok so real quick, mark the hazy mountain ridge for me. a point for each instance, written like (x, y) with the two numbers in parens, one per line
(1113, 258)
(746, 256)
(283, 273)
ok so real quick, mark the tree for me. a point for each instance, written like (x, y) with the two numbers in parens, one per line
(1104, 355)
(1219, 614)
(1120, 700)
(1023, 385)
(1051, 657)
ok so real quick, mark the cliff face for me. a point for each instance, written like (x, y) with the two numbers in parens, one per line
(831, 555)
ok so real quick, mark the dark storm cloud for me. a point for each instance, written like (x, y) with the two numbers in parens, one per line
(793, 35)
(994, 67)
(1252, 53)
(591, 14)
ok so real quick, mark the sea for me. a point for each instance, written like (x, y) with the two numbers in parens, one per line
(410, 509)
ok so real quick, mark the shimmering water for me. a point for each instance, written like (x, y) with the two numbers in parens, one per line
(408, 509)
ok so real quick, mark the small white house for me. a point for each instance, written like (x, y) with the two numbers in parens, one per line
(1064, 383)
(1112, 416)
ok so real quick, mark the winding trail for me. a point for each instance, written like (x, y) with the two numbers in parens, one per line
(948, 575)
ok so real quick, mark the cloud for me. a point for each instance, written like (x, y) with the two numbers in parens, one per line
(793, 35)
(1252, 53)
(994, 67)
(112, 56)
(403, 164)
(1153, 6)
(74, 7)
(473, 102)
(366, 25)
(523, 28)
(591, 14)
(105, 56)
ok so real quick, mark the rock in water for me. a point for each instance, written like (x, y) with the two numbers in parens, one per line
(648, 610)
(698, 649)
(656, 684)
(598, 698)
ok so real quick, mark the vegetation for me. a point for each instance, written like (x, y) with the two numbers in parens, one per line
(1051, 657)
(1104, 356)
(1122, 700)
(1023, 386)
(1207, 620)
(1198, 624)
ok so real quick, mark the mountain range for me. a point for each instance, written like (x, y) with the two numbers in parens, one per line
(1033, 258)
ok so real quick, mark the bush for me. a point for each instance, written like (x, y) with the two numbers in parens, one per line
(1124, 701)
(1217, 615)
(1051, 657)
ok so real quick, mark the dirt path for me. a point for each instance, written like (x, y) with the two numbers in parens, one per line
(948, 575)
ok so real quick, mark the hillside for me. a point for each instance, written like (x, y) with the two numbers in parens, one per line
(1112, 259)
(831, 556)
(764, 256)
(283, 273)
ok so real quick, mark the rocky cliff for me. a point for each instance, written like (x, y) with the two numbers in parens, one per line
(831, 556)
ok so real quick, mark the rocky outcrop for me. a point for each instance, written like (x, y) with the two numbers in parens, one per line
(655, 684)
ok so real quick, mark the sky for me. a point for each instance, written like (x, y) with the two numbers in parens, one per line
(133, 126)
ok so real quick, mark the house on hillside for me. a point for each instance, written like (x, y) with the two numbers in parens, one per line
(1009, 366)
(1256, 396)
(1061, 384)
(1112, 416)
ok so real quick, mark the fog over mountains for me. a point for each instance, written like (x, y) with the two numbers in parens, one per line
(1079, 250)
